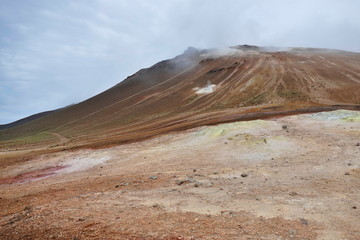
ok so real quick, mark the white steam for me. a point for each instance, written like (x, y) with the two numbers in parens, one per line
(209, 88)
(222, 52)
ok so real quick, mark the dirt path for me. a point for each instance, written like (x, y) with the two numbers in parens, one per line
(61, 138)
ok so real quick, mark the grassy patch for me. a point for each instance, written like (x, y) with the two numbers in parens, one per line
(191, 99)
(131, 118)
(257, 100)
(217, 106)
(292, 95)
(37, 138)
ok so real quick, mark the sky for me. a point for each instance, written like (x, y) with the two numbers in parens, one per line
(54, 53)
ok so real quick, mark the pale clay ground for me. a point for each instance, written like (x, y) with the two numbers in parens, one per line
(297, 172)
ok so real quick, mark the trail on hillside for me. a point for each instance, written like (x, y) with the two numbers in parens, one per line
(61, 138)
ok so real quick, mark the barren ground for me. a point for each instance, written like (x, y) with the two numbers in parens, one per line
(294, 177)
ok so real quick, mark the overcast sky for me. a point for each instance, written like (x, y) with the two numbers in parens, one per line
(57, 52)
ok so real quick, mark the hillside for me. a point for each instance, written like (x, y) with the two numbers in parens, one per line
(166, 153)
(196, 88)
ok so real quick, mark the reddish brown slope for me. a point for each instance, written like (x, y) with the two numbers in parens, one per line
(162, 98)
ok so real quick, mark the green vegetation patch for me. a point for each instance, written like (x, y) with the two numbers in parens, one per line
(127, 119)
(191, 99)
(352, 119)
(225, 128)
(257, 100)
(292, 95)
(342, 115)
(36, 138)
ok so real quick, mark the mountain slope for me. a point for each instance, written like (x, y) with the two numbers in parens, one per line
(25, 120)
(201, 87)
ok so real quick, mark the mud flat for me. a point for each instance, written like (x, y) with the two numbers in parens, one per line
(291, 177)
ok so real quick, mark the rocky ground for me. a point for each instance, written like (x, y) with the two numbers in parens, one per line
(294, 177)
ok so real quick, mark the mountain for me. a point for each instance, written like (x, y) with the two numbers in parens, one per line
(199, 87)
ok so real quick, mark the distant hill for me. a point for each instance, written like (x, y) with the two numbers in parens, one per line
(25, 120)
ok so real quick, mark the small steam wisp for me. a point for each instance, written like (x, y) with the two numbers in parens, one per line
(209, 88)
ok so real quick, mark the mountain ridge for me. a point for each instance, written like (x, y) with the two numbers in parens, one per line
(242, 79)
